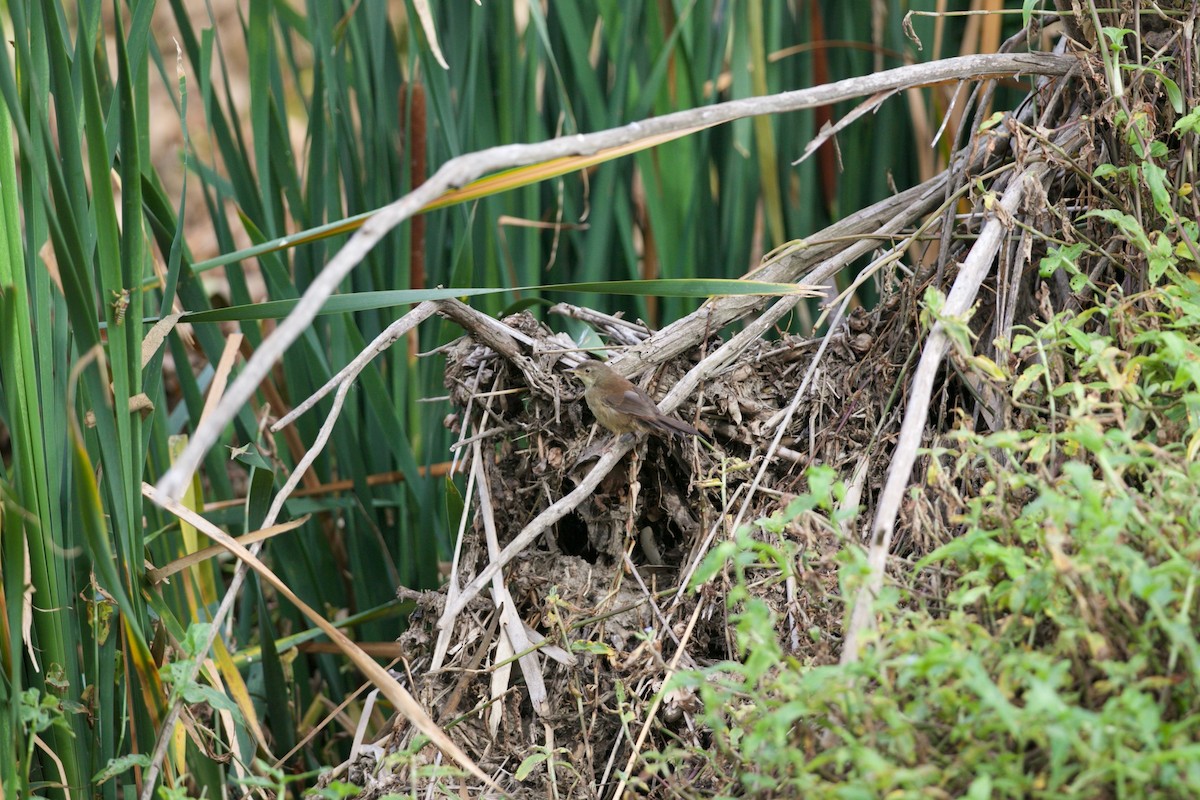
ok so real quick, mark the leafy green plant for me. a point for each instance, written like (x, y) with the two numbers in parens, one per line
(1065, 661)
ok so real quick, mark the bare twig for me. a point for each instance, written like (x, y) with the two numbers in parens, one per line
(970, 277)
(618, 329)
(510, 621)
(390, 335)
(505, 340)
(540, 524)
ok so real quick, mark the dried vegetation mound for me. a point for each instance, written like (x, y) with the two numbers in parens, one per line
(570, 598)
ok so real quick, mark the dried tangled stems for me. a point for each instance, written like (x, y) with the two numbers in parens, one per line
(561, 547)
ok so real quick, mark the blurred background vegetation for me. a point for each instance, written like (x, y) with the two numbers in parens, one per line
(140, 178)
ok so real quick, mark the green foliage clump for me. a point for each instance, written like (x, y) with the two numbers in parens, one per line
(1061, 656)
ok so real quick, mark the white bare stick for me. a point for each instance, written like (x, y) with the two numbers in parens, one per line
(344, 380)
(314, 450)
(442, 645)
(462, 170)
(970, 277)
(391, 334)
(511, 625)
(540, 524)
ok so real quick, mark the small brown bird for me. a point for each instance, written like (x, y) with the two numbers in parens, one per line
(623, 407)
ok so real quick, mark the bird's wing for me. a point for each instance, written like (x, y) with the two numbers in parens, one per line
(633, 402)
(637, 404)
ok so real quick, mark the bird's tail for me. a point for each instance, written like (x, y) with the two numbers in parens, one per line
(676, 427)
